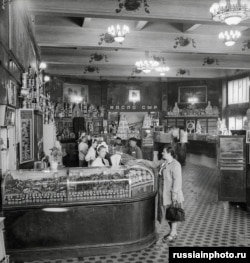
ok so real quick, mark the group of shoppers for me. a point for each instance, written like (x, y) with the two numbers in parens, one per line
(169, 173)
(94, 153)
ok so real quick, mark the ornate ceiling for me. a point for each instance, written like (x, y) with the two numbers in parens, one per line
(178, 33)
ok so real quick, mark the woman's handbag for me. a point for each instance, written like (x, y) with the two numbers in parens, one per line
(175, 213)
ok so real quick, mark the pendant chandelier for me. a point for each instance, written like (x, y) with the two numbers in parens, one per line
(146, 65)
(229, 37)
(162, 70)
(118, 33)
(231, 12)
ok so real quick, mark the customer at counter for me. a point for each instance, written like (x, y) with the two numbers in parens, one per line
(82, 149)
(100, 160)
(133, 149)
(91, 154)
(118, 145)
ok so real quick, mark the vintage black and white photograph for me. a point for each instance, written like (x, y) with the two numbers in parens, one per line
(124, 131)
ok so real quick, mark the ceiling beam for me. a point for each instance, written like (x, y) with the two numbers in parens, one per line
(155, 41)
(186, 11)
(190, 27)
(86, 22)
(125, 71)
(128, 58)
(140, 25)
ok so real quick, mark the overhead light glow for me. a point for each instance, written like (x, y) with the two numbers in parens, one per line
(229, 37)
(231, 12)
(55, 209)
(42, 66)
(46, 78)
(119, 33)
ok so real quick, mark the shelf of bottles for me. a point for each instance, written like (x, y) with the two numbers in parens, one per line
(33, 94)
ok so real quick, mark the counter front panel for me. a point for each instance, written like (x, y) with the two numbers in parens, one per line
(26, 187)
(102, 210)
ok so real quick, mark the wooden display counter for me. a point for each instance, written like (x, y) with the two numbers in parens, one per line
(85, 229)
(98, 210)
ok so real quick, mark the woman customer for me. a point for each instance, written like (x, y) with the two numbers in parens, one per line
(91, 154)
(82, 149)
(170, 186)
(100, 160)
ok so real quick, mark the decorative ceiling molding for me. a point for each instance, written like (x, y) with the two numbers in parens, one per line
(132, 5)
(91, 69)
(182, 72)
(210, 61)
(184, 41)
(246, 45)
(98, 57)
(107, 38)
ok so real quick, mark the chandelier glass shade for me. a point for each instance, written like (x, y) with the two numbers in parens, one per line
(229, 37)
(146, 65)
(162, 70)
(231, 12)
(119, 33)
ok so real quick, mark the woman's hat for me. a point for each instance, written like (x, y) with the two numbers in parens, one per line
(104, 144)
(83, 135)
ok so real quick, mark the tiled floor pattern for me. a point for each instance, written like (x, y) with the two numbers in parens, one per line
(208, 222)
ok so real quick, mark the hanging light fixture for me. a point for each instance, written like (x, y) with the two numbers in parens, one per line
(162, 70)
(42, 66)
(118, 33)
(231, 12)
(146, 65)
(46, 78)
(229, 37)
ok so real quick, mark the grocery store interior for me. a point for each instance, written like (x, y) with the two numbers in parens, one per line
(111, 112)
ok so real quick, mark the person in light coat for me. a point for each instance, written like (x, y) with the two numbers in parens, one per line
(169, 184)
(91, 154)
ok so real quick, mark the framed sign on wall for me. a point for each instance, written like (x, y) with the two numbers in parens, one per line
(189, 94)
(75, 93)
(12, 93)
(26, 135)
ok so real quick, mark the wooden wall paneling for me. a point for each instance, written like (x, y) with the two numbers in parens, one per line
(214, 92)
(4, 26)
(165, 97)
(4, 56)
(150, 93)
(3, 86)
(20, 42)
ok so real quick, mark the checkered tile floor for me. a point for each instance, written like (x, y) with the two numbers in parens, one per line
(208, 222)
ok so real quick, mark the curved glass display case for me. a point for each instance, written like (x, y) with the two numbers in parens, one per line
(26, 187)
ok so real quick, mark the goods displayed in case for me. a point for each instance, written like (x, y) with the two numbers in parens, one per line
(98, 183)
(26, 187)
(123, 128)
(142, 180)
(32, 187)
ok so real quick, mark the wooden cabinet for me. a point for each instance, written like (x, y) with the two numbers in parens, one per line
(64, 126)
(94, 126)
(208, 123)
(232, 166)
